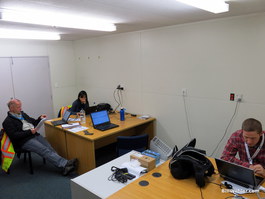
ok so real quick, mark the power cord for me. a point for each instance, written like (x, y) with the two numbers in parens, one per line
(236, 197)
(187, 118)
(201, 193)
(118, 174)
(229, 186)
(119, 101)
(261, 188)
(235, 111)
(258, 195)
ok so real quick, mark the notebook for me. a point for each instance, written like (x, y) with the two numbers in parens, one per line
(101, 120)
(238, 174)
(63, 120)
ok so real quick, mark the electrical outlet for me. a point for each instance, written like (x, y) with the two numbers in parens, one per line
(232, 96)
(239, 97)
(119, 87)
(184, 92)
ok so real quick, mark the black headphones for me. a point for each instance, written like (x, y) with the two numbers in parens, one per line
(118, 174)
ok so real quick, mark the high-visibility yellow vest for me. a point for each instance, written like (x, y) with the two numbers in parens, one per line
(8, 152)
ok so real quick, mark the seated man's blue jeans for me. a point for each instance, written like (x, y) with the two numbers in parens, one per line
(41, 146)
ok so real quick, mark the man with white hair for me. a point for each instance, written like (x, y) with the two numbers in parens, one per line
(21, 130)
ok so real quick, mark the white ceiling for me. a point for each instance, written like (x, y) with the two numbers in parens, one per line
(128, 15)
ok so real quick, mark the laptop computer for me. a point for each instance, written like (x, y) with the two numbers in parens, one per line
(238, 174)
(63, 120)
(90, 109)
(101, 120)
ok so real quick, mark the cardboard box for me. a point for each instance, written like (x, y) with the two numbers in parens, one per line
(146, 161)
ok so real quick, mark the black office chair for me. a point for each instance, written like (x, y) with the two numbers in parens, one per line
(127, 143)
(26, 154)
(22, 151)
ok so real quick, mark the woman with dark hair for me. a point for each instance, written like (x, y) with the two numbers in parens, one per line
(80, 103)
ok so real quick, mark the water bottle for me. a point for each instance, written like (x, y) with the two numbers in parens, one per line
(122, 113)
(83, 116)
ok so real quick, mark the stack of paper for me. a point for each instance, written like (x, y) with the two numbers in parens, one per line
(71, 125)
(77, 129)
(40, 124)
(144, 117)
(74, 119)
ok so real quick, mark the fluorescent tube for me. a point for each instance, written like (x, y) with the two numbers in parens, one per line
(28, 34)
(215, 6)
(56, 20)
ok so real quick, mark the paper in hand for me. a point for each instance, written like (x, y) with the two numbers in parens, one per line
(40, 124)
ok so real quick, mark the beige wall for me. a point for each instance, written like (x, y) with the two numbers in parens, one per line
(210, 59)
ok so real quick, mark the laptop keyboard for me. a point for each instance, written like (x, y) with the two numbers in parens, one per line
(105, 125)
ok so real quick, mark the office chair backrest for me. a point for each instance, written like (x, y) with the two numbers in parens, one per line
(63, 109)
(127, 143)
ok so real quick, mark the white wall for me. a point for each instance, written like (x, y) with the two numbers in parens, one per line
(62, 65)
(211, 59)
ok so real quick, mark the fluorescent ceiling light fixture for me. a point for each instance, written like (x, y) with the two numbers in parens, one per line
(215, 6)
(28, 34)
(56, 20)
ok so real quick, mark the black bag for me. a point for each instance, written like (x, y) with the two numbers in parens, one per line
(104, 106)
(188, 162)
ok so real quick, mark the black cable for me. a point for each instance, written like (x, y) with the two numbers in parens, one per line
(121, 98)
(220, 185)
(118, 175)
(239, 197)
(115, 96)
(187, 118)
(216, 183)
(116, 100)
(226, 129)
(119, 101)
(201, 193)
(119, 92)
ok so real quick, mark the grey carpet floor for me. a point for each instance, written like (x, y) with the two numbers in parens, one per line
(47, 181)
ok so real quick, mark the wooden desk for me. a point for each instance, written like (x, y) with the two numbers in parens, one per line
(77, 145)
(170, 188)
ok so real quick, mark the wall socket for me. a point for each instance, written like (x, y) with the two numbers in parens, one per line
(239, 97)
(184, 92)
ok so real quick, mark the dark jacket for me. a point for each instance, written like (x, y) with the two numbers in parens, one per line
(13, 128)
(77, 106)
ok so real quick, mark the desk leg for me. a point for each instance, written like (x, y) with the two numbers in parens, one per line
(83, 150)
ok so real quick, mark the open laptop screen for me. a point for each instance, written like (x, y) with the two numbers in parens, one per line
(66, 115)
(90, 109)
(100, 117)
(238, 174)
